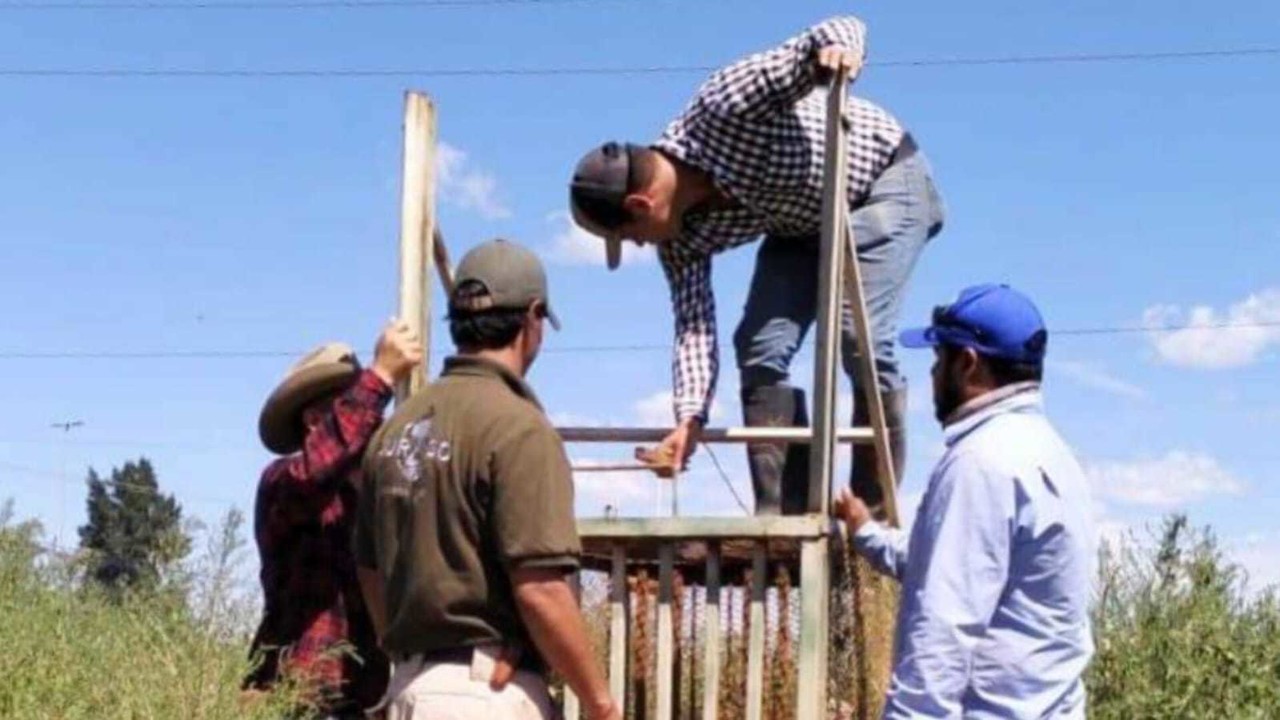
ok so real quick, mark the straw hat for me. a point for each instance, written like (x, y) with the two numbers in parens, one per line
(325, 369)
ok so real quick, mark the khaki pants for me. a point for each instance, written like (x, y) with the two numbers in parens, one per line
(453, 691)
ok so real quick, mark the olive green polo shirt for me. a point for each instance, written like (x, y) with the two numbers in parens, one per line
(466, 482)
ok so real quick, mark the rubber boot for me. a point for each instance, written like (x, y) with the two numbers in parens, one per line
(864, 475)
(779, 471)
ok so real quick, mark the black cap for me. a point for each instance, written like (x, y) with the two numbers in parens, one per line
(599, 185)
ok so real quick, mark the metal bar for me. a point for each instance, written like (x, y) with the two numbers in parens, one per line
(666, 630)
(711, 661)
(618, 627)
(710, 435)
(705, 528)
(755, 646)
(417, 224)
(827, 336)
(811, 685)
(611, 467)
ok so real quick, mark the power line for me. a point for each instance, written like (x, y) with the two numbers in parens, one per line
(570, 349)
(725, 477)
(284, 5)
(37, 475)
(532, 72)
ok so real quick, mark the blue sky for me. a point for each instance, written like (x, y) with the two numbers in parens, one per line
(261, 214)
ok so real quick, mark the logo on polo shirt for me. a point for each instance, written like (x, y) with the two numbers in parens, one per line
(418, 443)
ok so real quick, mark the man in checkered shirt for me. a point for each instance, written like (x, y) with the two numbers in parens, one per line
(745, 160)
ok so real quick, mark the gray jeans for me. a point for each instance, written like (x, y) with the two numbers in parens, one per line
(902, 212)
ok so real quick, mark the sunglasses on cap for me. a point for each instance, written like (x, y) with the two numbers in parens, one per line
(944, 318)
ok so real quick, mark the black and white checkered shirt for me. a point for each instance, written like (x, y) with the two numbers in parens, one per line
(758, 127)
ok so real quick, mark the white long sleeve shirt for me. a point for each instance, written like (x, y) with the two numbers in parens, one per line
(996, 574)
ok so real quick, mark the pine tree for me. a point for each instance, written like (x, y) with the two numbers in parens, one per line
(134, 531)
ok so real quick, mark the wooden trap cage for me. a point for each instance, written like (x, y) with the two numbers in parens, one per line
(701, 616)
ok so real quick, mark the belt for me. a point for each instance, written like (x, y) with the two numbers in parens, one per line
(905, 149)
(462, 654)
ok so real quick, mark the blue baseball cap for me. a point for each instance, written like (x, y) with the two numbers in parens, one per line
(993, 319)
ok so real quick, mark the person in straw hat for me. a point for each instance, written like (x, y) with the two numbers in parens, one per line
(320, 419)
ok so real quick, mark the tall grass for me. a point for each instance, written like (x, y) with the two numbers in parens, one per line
(1177, 636)
(70, 651)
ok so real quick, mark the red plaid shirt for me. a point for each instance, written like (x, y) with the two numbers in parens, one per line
(303, 522)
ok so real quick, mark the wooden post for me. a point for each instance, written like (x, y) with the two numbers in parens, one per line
(711, 645)
(417, 227)
(666, 630)
(755, 643)
(618, 627)
(815, 582)
(827, 329)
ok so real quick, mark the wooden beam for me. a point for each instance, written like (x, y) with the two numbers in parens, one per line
(711, 642)
(710, 435)
(664, 528)
(815, 580)
(417, 227)
(870, 383)
(440, 254)
(572, 707)
(666, 630)
(618, 627)
(827, 328)
(755, 644)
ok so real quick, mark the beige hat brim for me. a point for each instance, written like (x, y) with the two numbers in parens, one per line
(280, 423)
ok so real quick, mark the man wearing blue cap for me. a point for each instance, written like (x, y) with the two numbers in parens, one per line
(996, 573)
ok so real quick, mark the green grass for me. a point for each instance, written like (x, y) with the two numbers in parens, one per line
(72, 652)
(1177, 637)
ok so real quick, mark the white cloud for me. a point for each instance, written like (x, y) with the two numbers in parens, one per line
(572, 245)
(1173, 480)
(623, 491)
(656, 410)
(1204, 343)
(461, 185)
(568, 418)
(1259, 556)
(1094, 376)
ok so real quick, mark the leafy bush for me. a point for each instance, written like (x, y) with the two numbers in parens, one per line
(74, 650)
(1177, 635)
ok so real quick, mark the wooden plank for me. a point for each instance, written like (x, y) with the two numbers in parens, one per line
(755, 646)
(444, 269)
(417, 227)
(572, 708)
(666, 630)
(869, 382)
(618, 627)
(711, 622)
(709, 435)
(811, 684)
(664, 528)
(827, 327)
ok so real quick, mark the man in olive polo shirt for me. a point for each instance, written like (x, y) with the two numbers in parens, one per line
(467, 532)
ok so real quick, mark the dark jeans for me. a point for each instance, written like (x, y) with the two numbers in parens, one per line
(901, 214)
